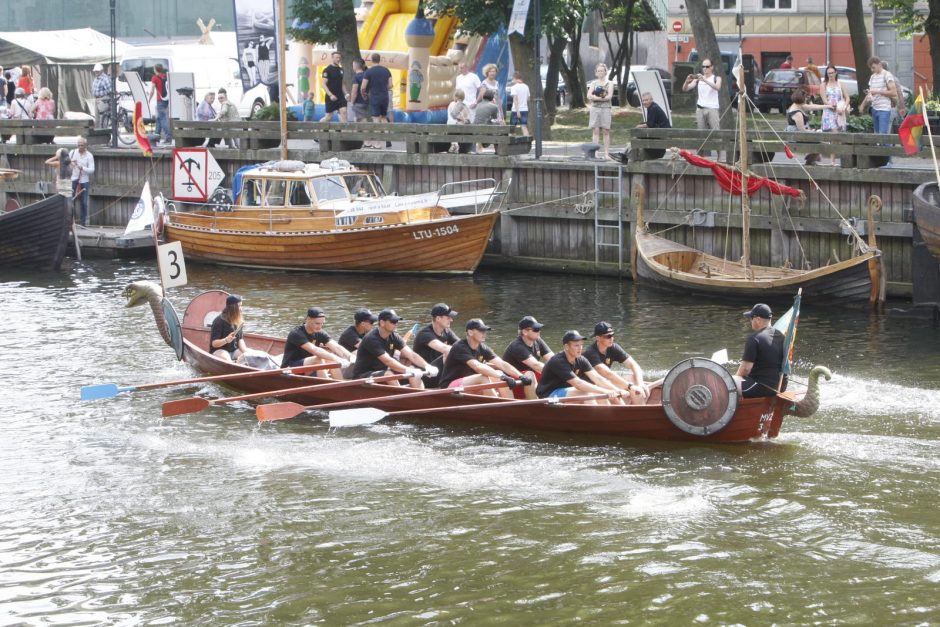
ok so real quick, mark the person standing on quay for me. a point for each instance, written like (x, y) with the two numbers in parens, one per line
(101, 90)
(159, 89)
(707, 104)
(375, 85)
(334, 91)
(600, 94)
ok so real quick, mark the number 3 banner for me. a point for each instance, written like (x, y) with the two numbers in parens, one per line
(172, 266)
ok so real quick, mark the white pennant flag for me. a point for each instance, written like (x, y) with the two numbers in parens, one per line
(142, 217)
(520, 9)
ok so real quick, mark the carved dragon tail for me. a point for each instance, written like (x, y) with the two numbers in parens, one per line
(807, 406)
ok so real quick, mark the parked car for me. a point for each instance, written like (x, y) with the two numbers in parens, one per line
(634, 98)
(779, 85)
(561, 93)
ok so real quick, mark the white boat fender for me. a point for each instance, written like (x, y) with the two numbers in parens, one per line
(288, 165)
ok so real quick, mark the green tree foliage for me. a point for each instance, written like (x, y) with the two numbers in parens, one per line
(328, 22)
(911, 18)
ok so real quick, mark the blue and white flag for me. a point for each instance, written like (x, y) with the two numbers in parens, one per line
(787, 325)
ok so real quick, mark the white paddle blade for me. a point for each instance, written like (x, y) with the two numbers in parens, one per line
(356, 417)
(720, 357)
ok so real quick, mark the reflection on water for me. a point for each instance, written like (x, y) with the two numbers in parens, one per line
(111, 514)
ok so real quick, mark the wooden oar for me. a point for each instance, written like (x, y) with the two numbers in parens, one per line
(284, 411)
(196, 404)
(107, 390)
(370, 415)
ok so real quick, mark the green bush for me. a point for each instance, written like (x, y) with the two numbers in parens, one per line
(860, 124)
(273, 112)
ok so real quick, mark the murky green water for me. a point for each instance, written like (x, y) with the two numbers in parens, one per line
(110, 514)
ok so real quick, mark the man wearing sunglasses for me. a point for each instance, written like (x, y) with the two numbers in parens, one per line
(604, 352)
(706, 105)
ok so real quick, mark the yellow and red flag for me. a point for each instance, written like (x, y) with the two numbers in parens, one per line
(912, 128)
(140, 133)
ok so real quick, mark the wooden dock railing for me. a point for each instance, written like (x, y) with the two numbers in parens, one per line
(29, 132)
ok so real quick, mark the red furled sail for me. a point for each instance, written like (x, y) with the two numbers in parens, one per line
(730, 180)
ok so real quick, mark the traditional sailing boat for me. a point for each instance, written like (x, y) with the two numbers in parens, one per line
(664, 263)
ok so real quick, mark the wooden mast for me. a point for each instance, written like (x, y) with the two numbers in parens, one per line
(282, 74)
(745, 207)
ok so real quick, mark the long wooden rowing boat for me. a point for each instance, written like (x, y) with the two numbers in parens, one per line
(701, 402)
(927, 216)
(36, 236)
(334, 217)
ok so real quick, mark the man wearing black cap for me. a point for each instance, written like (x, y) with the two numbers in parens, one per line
(470, 361)
(226, 340)
(569, 374)
(604, 352)
(363, 321)
(375, 355)
(528, 354)
(310, 344)
(433, 342)
(762, 361)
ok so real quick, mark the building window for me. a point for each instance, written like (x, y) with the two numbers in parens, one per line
(722, 5)
(780, 5)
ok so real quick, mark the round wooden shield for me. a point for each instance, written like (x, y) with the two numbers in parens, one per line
(174, 327)
(699, 396)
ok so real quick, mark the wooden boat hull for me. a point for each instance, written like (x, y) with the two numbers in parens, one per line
(754, 418)
(108, 242)
(665, 264)
(449, 245)
(927, 216)
(36, 236)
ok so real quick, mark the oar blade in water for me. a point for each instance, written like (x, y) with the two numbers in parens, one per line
(720, 357)
(185, 406)
(356, 417)
(278, 411)
(103, 390)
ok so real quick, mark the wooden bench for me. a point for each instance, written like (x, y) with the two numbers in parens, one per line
(30, 132)
(855, 150)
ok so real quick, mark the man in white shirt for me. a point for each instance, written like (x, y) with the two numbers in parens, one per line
(83, 165)
(519, 92)
(469, 82)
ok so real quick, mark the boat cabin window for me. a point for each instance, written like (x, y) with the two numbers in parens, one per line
(360, 186)
(251, 193)
(329, 188)
(274, 193)
(299, 195)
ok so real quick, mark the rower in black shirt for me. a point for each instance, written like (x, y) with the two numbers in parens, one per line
(375, 356)
(762, 361)
(569, 374)
(470, 361)
(310, 344)
(363, 321)
(433, 342)
(604, 352)
(528, 354)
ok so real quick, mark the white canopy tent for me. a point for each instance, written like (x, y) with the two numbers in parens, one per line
(62, 60)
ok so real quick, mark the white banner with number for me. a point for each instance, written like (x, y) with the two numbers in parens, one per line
(520, 10)
(172, 266)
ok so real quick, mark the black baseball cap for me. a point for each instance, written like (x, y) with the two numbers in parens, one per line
(233, 299)
(364, 314)
(443, 309)
(760, 310)
(603, 328)
(316, 312)
(477, 324)
(571, 336)
(390, 315)
(530, 323)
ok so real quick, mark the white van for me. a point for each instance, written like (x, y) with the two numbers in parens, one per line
(212, 67)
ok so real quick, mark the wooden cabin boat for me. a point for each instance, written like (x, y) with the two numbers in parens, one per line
(702, 402)
(332, 216)
(661, 262)
(36, 236)
(927, 216)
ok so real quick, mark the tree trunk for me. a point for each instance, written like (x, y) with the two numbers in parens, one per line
(932, 28)
(861, 49)
(347, 38)
(574, 73)
(523, 57)
(707, 45)
(556, 47)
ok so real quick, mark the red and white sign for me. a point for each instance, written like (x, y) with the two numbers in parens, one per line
(196, 174)
(677, 26)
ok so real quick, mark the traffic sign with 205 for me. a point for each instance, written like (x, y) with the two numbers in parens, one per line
(196, 174)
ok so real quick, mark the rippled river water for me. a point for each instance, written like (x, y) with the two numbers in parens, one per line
(110, 514)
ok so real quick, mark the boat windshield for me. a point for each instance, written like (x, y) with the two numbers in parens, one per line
(362, 186)
(299, 195)
(251, 193)
(329, 188)
(274, 193)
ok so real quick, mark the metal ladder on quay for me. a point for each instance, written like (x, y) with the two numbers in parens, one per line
(602, 187)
